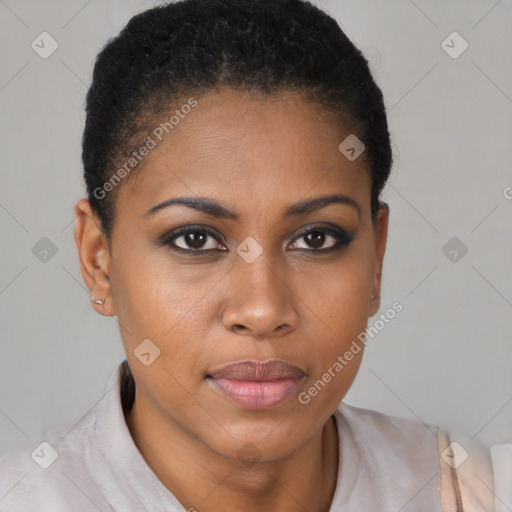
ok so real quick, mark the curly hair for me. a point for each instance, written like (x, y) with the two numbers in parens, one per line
(261, 47)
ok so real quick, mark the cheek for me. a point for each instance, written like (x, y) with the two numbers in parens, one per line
(338, 345)
(339, 294)
(151, 294)
(164, 302)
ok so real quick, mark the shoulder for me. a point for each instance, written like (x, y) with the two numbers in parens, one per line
(388, 460)
(54, 467)
(462, 464)
(384, 427)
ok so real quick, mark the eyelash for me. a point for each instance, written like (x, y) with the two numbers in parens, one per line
(342, 239)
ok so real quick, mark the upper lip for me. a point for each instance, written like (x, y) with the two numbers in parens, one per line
(258, 371)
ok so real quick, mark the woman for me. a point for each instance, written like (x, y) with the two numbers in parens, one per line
(234, 154)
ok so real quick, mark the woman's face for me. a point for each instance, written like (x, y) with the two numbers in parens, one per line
(257, 290)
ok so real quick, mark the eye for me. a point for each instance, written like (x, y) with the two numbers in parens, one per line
(322, 240)
(195, 241)
(201, 241)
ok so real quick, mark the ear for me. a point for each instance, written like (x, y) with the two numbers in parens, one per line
(94, 256)
(380, 235)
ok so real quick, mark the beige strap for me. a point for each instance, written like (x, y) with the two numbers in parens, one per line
(450, 493)
(467, 480)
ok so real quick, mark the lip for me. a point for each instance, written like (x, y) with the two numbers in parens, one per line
(257, 385)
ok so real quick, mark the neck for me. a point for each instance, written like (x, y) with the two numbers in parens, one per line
(305, 480)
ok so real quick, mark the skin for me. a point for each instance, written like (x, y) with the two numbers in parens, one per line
(256, 157)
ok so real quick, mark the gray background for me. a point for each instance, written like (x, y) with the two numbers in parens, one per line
(445, 359)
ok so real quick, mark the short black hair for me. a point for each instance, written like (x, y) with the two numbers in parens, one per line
(190, 47)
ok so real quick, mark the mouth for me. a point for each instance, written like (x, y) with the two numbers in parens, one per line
(257, 385)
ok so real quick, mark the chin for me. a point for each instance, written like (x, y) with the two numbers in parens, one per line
(252, 443)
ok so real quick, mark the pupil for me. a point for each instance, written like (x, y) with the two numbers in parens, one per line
(195, 239)
(315, 241)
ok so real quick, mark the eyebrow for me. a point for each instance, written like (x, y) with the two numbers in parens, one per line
(215, 209)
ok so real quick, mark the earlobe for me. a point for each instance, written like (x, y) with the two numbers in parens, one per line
(92, 246)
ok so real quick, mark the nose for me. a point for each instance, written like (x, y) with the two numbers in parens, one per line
(260, 301)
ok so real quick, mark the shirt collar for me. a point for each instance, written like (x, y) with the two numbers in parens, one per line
(117, 450)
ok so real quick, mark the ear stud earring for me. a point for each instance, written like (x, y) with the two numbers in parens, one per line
(97, 301)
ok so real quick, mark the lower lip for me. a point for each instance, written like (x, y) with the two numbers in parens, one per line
(257, 396)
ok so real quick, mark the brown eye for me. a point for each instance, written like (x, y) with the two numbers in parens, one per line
(322, 240)
(315, 239)
(194, 241)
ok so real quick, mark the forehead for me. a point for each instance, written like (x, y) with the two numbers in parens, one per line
(247, 152)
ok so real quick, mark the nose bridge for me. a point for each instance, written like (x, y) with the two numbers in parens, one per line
(260, 302)
(261, 277)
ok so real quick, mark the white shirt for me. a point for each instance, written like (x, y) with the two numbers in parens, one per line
(385, 464)
(502, 464)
